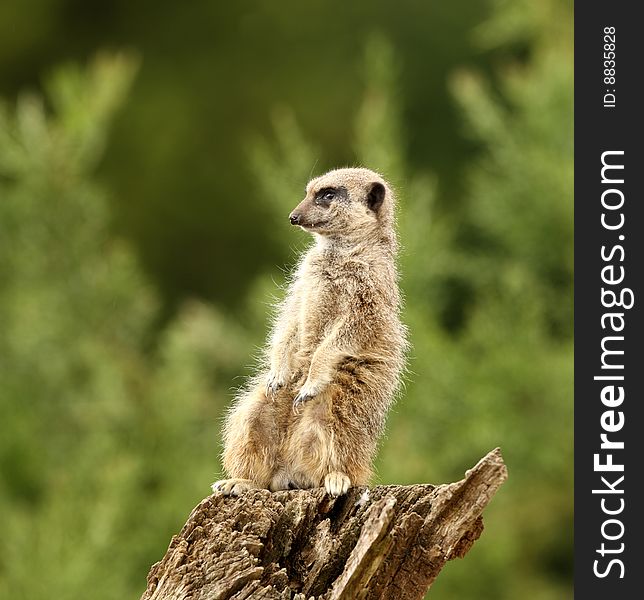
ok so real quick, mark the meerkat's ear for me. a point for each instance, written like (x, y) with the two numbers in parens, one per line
(375, 196)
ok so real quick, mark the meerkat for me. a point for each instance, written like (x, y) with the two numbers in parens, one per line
(314, 414)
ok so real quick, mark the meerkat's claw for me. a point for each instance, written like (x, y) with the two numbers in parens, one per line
(275, 381)
(336, 483)
(233, 487)
(271, 389)
(273, 384)
(300, 400)
(307, 391)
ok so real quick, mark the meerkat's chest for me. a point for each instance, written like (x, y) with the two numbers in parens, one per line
(322, 302)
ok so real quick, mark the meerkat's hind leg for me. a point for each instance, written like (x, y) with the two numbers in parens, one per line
(280, 481)
(234, 487)
(336, 483)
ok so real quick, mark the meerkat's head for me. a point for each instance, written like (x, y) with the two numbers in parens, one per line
(351, 204)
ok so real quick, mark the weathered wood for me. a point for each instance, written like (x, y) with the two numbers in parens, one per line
(379, 543)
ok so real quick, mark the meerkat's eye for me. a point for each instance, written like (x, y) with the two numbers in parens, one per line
(325, 197)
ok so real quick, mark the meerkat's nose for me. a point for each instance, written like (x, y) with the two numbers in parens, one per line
(294, 218)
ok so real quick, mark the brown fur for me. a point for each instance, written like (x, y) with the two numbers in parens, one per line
(314, 415)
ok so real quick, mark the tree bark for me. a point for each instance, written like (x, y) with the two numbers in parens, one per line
(373, 543)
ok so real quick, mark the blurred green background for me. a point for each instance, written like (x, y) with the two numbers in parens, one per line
(149, 155)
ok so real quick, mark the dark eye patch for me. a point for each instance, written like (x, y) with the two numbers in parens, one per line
(325, 196)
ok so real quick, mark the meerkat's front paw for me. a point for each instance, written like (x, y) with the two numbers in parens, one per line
(307, 391)
(277, 378)
(299, 401)
(273, 383)
(336, 483)
(233, 487)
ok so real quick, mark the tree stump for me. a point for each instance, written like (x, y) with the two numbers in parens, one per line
(374, 543)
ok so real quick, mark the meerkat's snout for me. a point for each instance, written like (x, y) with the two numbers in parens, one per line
(304, 216)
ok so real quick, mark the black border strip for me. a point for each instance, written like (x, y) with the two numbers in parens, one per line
(608, 122)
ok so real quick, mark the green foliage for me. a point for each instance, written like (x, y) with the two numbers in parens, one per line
(108, 437)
